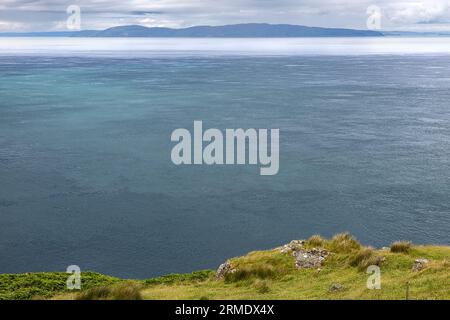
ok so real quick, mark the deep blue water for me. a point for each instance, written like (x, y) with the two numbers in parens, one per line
(86, 176)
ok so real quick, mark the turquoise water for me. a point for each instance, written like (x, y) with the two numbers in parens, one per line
(86, 176)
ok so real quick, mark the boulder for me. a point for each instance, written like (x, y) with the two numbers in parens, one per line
(419, 264)
(306, 259)
(335, 287)
(292, 246)
(223, 270)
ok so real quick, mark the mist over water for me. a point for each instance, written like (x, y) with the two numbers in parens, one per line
(151, 47)
(86, 175)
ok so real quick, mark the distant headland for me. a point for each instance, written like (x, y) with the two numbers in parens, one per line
(249, 30)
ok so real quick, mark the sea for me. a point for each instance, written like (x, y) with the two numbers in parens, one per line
(86, 176)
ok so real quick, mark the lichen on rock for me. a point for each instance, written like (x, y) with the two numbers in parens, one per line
(293, 246)
(335, 287)
(224, 269)
(307, 259)
(419, 264)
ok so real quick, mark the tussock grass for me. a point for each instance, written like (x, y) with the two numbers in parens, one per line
(315, 241)
(260, 265)
(250, 272)
(122, 291)
(180, 278)
(401, 247)
(262, 286)
(359, 260)
(343, 243)
(364, 258)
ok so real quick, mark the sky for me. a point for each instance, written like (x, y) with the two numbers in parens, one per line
(51, 15)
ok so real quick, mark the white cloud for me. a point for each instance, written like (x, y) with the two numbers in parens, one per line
(418, 12)
(34, 15)
(11, 26)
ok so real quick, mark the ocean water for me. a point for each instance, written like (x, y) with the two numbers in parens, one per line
(86, 176)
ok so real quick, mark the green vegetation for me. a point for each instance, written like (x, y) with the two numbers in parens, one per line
(315, 241)
(366, 257)
(267, 275)
(259, 266)
(343, 243)
(129, 290)
(45, 285)
(196, 276)
(401, 247)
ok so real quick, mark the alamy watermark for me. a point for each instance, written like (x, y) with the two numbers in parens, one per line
(374, 280)
(235, 146)
(74, 280)
(73, 22)
(374, 19)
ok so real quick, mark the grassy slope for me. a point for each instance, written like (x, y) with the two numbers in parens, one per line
(45, 284)
(431, 283)
(267, 275)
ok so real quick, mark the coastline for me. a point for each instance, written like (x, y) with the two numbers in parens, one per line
(310, 269)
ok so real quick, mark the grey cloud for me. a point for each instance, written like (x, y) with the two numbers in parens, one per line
(97, 14)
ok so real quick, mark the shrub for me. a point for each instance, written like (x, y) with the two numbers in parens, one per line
(344, 243)
(122, 291)
(401, 247)
(315, 241)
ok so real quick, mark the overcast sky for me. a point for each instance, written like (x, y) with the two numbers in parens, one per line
(50, 15)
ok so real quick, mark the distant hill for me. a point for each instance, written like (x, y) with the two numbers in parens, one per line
(416, 34)
(250, 30)
(84, 33)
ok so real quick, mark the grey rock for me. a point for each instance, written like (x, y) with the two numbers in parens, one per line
(419, 264)
(293, 246)
(335, 287)
(223, 270)
(306, 259)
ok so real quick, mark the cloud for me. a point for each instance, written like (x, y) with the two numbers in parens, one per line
(42, 15)
(418, 12)
(11, 26)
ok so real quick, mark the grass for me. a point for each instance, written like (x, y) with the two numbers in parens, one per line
(262, 286)
(401, 247)
(196, 276)
(45, 285)
(343, 243)
(347, 269)
(315, 241)
(120, 291)
(366, 257)
(266, 275)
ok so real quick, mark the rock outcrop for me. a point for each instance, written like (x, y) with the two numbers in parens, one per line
(419, 264)
(293, 246)
(223, 270)
(304, 258)
(307, 259)
(335, 287)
